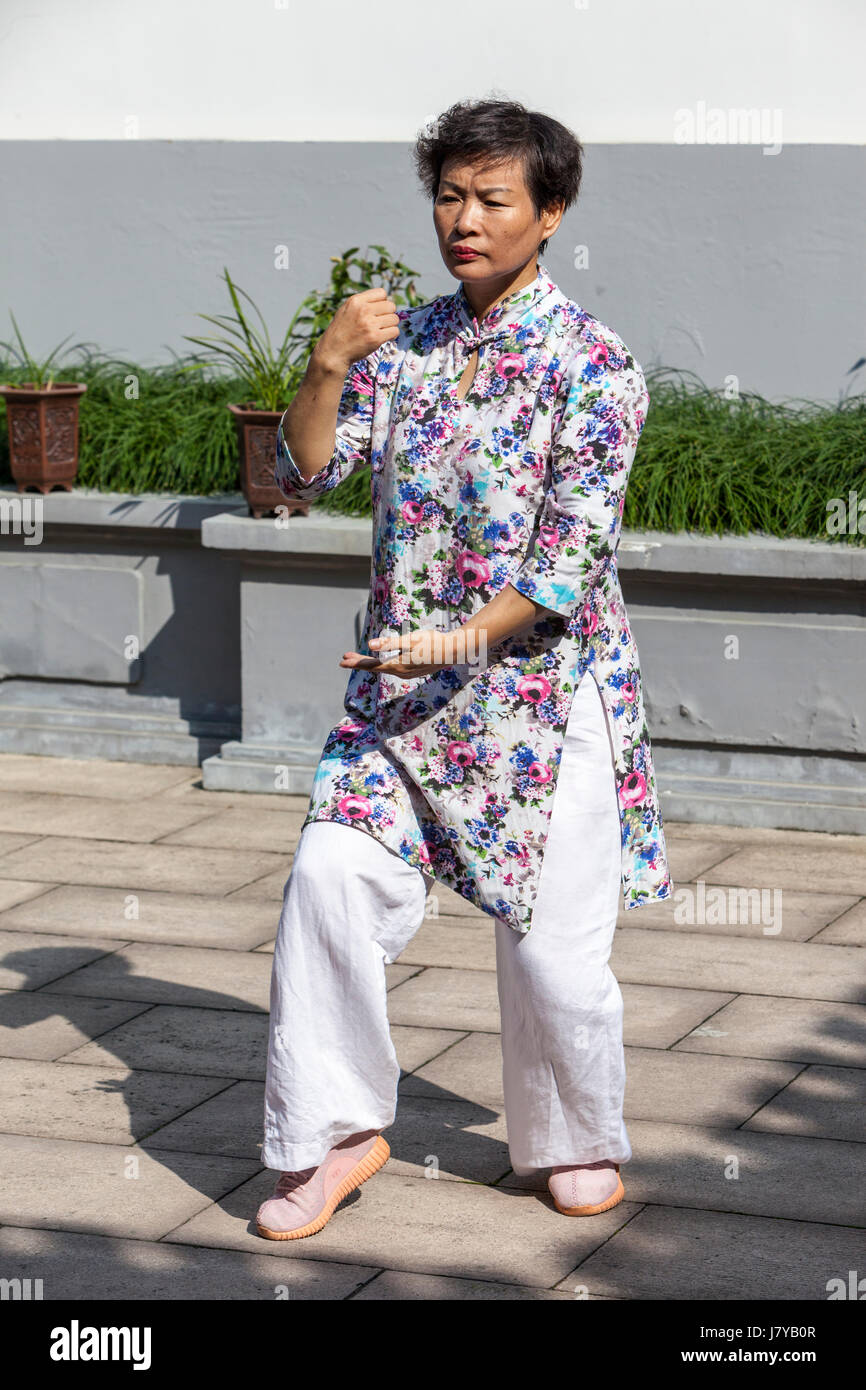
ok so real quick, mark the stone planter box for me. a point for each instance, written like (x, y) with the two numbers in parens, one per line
(119, 634)
(753, 651)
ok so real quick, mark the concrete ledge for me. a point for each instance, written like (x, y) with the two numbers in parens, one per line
(293, 535)
(143, 510)
(755, 556)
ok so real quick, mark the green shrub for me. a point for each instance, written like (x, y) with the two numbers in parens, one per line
(704, 463)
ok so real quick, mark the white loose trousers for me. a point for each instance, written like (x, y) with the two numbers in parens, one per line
(350, 907)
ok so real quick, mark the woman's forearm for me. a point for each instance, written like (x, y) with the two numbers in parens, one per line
(507, 613)
(310, 422)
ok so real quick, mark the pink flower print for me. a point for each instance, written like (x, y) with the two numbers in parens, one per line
(510, 364)
(423, 852)
(462, 753)
(535, 688)
(412, 512)
(627, 691)
(350, 730)
(380, 587)
(598, 354)
(416, 745)
(588, 620)
(356, 807)
(472, 568)
(633, 789)
(539, 773)
(548, 535)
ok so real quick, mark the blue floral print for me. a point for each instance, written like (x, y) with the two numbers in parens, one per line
(521, 481)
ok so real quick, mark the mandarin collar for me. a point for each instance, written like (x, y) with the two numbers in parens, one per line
(507, 315)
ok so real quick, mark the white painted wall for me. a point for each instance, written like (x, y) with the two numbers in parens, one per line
(614, 70)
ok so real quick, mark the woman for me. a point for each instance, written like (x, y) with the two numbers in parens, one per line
(495, 723)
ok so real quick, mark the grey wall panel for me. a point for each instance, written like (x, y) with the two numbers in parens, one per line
(75, 622)
(714, 258)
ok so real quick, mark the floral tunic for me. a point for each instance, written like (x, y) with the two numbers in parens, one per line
(521, 482)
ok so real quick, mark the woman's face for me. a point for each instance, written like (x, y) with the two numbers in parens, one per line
(488, 210)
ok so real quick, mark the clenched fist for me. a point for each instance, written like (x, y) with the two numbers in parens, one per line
(362, 323)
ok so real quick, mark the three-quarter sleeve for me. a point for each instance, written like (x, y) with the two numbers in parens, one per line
(352, 444)
(593, 446)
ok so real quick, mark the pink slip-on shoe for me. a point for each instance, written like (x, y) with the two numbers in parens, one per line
(586, 1188)
(303, 1202)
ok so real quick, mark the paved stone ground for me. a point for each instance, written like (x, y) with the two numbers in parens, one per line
(137, 916)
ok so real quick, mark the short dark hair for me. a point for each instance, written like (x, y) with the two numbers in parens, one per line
(490, 130)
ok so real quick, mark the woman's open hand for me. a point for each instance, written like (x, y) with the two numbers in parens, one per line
(410, 654)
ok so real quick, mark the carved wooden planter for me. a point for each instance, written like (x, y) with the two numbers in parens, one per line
(43, 433)
(257, 445)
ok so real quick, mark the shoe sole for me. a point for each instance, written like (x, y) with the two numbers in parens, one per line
(593, 1209)
(372, 1161)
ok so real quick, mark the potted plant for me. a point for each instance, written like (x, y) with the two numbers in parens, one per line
(42, 421)
(272, 376)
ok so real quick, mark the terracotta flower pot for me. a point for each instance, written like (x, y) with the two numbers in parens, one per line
(257, 445)
(43, 433)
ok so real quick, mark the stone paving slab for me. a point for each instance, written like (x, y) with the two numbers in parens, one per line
(192, 975)
(59, 1184)
(168, 1038)
(183, 919)
(445, 1228)
(417, 1046)
(772, 966)
(44, 1026)
(849, 929)
(269, 888)
(183, 868)
(782, 1175)
(804, 867)
(19, 890)
(230, 1123)
(793, 1030)
(655, 1016)
(826, 1101)
(471, 1067)
(393, 1285)
(240, 828)
(47, 813)
(30, 960)
(8, 843)
(452, 941)
(28, 772)
(193, 792)
(746, 836)
(690, 859)
(803, 915)
(449, 1136)
(107, 1104)
(724, 1093)
(461, 999)
(84, 1267)
(683, 1254)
